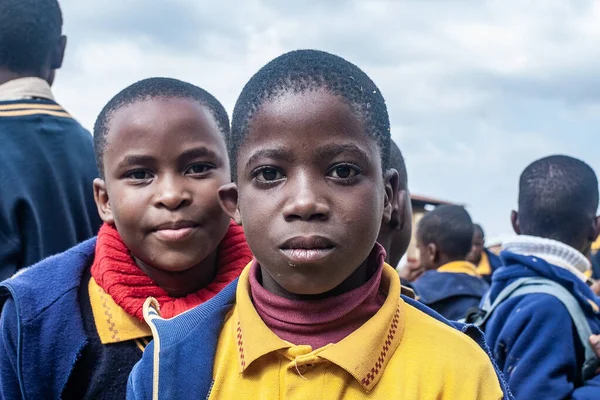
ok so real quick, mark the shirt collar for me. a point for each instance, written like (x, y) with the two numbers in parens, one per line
(459, 267)
(26, 88)
(113, 323)
(551, 251)
(484, 267)
(378, 338)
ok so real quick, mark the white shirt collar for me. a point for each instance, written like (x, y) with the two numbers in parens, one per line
(25, 88)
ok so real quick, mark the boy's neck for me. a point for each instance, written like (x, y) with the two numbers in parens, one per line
(7, 75)
(180, 284)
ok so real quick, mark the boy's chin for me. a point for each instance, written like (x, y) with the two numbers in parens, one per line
(174, 264)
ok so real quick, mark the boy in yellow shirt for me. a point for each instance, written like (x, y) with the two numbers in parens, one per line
(318, 314)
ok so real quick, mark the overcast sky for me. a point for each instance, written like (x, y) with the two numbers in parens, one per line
(476, 90)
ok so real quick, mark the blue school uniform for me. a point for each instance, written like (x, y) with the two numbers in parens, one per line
(47, 167)
(50, 347)
(451, 290)
(532, 336)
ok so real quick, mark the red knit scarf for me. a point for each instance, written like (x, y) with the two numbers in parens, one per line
(115, 271)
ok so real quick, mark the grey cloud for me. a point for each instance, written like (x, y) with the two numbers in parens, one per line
(174, 26)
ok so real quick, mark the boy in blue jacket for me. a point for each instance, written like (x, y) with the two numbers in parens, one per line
(533, 336)
(450, 285)
(46, 157)
(72, 326)
(318, 314)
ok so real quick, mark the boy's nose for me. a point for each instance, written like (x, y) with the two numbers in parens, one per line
(172, 194)
(305, 202)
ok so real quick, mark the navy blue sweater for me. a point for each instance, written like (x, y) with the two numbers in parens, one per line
(42, 332)
(533, 337)
(451, 294)
(46, 171)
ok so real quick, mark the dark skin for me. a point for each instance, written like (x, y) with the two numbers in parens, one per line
(46, 71)
(395, 235)
(164, 162)
(431, 257)
(583, 244)
(310, 194)
(478, 245)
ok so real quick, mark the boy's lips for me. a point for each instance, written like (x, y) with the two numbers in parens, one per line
(174, 231)
(307, 249)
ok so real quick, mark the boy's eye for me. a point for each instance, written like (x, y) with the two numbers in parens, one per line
(344, 171)
(139, 175)
(199, 168)
(269, 175)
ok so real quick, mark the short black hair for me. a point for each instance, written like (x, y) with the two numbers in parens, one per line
(29, 30)
(450, 228)
(149, 89)
(302, 70)
(558, 199)
(478, 228)
(397, 162)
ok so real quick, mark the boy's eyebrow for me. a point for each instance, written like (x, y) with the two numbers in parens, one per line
(135, 160)
(329, 151)
(198, 152)
(277, 153)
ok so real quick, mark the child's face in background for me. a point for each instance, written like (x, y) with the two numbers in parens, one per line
(164, 161)
(311, 192)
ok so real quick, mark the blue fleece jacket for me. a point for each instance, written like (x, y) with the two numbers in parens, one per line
(450, 294)
(533, 337)
(47, 167)
(188, 343)
(41, 330)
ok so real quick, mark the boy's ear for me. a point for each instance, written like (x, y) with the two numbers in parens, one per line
(228, 199)
(432, 253)
(391, 182)
(402, 210)
(103, 202)
(59, 53)
(514, 220)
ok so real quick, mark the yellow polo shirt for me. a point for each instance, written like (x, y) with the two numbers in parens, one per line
(400, 353)
(113, 323)
(484, 267)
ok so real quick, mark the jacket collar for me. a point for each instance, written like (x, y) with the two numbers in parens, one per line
(26, 88)
(552, 251)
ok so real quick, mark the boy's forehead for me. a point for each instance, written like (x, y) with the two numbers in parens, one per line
(152, 118)
(163, 124)
(318, 120)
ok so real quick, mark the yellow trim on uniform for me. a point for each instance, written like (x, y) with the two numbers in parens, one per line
(484, 267)
(113, 323)
(22, 113)
(400, 353)
(24, 106)
(596, 244)
(459, 267)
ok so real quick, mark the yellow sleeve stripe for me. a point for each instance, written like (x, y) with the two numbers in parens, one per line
(22, 106)
(23, 113)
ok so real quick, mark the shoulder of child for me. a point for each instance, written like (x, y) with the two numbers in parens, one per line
(437, 349)
(37, 287)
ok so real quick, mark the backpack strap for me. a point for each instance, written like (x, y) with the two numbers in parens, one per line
(524, 286)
